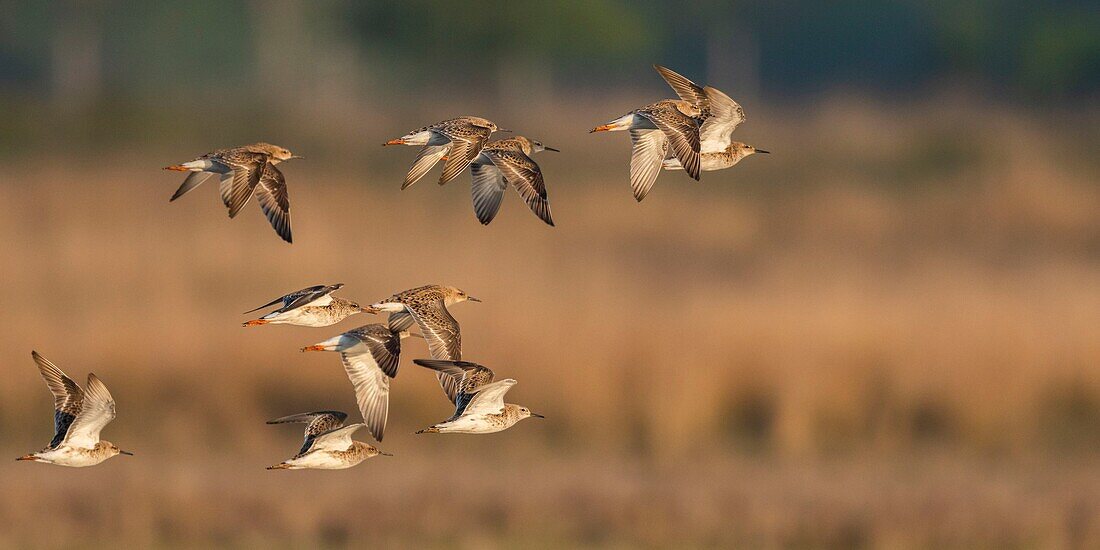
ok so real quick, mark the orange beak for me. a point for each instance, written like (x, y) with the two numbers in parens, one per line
(177, 168)
(444, 158)
(254, 323)
(26, 457)
(397, 141)
(600, 128)
(314, 348)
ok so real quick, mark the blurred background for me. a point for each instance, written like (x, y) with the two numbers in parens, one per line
(884, 334)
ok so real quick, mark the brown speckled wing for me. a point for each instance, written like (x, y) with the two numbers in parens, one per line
(466, 377)
(67, 395)
(682, 132)
(686, 89)
(466, 143)
(439, 328)
(525, 175)
(272, 195)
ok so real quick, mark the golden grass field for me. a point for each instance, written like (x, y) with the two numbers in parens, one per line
(886, 333)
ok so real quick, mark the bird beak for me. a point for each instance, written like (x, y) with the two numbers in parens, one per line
(503, 130)
(295, 157)
(763, 151)
(383, 453)
(537, 415)
(369, 309)
(315, 347)
(472, 299)
(25, 457)
(600, 128)
(127, 453)
(397, 141)
(551, 149)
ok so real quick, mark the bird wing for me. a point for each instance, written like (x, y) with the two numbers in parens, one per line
(98, 410)
(525, 175)
(193, 180)
(682, 132)
(68, 398)
(428, 156)
(400, 320)
(318, 422)
(467, 379)
(383, 344)
(439, 328)
(372, 388)
(650, 148)
(334, 440)
(685, 88)
(237, 186)
(317, 295)
(272, 195)
(725, 116)
(466, 143)
(490, 398)
(487, 190)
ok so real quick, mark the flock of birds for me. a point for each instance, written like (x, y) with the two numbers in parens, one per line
(697, 128)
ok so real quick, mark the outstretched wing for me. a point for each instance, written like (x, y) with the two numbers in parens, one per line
(487, 191)
(272, 195)
(466, 143)
(319, 422)
(428, 156)
(372, 387)
(682, 132)
(650, 147)
(685, 88)
(98, 410)
(490, 398)
(237, 186)
(525, 175)
(317, 295)
(725, 116)
(466, 379)
(334, 440)
(68, 398)
(439, 328)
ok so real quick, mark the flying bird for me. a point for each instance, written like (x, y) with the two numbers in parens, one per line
(653, 129)
(79, 416)
(479, 402)
(310, 307)
(719, 116)
(459, 139)
(371, 355)
(508, 161)
(244, 172)
(328, 444)
(427, 307)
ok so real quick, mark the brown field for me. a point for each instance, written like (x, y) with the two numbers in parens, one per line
(885, 334)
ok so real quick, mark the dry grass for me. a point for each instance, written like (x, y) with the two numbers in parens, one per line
(886, 340)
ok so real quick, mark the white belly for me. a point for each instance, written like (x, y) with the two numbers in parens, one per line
(320, 460)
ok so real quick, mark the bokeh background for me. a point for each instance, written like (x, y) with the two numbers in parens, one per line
(884, 334)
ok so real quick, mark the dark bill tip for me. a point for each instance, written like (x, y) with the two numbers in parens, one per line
(537, 415)
(127, 453)
(551, 149)
(763, 151)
